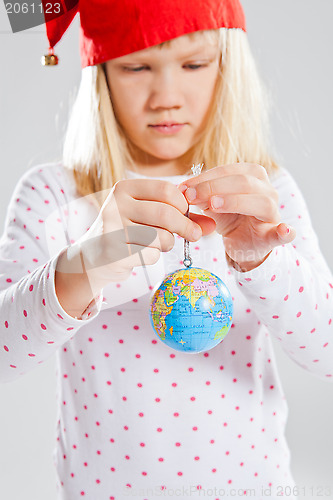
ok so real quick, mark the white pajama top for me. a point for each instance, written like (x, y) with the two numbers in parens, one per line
(137, 419)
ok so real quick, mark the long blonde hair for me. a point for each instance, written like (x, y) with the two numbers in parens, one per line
(98, 151)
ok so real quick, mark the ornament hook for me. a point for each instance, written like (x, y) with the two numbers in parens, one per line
(187, 262)
(49, 59)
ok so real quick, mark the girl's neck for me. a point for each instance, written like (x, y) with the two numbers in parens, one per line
(155, 167)
(158, 171)
(150, 166)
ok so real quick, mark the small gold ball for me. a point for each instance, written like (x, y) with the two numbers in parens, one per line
(49, 60)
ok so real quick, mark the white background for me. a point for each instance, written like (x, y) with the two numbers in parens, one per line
(293, 44)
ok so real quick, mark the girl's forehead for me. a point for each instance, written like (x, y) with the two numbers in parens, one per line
(183, 46)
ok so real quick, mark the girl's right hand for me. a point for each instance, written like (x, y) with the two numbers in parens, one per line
(135, 223)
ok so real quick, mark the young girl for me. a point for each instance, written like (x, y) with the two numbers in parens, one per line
(164, 87)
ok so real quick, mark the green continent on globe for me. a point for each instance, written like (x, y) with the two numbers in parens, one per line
(159, 311)
(221, 333)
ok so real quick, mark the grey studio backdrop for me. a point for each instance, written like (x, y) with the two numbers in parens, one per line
(293, 44)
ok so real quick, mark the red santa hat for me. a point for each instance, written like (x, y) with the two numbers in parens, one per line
(113, 28)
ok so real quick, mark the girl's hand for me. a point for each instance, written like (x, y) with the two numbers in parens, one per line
(244, 205)
(135, 224)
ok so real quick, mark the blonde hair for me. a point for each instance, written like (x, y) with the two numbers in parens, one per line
(98, 151)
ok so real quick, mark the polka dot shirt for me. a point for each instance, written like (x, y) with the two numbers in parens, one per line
(136, 418)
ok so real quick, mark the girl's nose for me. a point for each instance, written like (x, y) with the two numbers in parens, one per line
(166, 92)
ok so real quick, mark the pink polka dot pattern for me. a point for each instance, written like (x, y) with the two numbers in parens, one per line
(134, 414)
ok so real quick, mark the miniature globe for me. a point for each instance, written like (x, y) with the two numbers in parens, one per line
(191, 310)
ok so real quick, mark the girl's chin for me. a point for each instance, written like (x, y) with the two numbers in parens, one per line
(154, 158)
(160, 153)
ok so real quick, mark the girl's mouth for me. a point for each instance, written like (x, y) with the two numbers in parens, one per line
(167, 127)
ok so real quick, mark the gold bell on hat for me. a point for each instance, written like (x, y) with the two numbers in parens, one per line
(49, 59)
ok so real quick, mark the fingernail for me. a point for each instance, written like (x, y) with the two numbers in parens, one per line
(287, 229)
(182, 188)
(217, 202)
(190, 194)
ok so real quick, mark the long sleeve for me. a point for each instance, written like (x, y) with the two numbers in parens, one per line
(33, 324)
(291, 291)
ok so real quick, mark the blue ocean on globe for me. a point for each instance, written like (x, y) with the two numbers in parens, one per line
(191, 310)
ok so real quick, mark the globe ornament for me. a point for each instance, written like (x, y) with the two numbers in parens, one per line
(191, 310)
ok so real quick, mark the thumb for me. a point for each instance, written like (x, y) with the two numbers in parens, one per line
(207, 224)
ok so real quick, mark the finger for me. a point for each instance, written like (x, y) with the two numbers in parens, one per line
(141, 256)
(252, 169)
(117, 246)
(286, 233)
(207, 224)
(136, 236)
(152, 190)
(281, 234)
(167, 217)
(140, 234)
(232, 184)
(260, 206)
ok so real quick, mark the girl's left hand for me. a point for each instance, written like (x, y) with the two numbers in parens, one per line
(247, 217)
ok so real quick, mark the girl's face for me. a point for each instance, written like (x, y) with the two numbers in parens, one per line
(161, 98)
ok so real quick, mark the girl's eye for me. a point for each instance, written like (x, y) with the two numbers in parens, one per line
(195, 66)
(134, 69)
